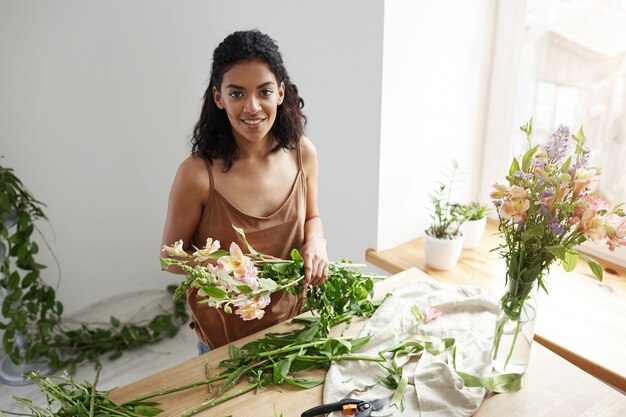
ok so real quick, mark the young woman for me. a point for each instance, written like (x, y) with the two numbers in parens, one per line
(251, 167)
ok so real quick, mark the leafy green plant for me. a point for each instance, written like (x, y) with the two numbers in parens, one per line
(30, 310)
(29, 305)
(445, 216)
(472, 211)
(68, 397)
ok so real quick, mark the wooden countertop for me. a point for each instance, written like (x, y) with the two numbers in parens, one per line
(552, 386)
(581, 319)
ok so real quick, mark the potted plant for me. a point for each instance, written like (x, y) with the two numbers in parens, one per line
(29, 310)
(474, 215)
(443, 240)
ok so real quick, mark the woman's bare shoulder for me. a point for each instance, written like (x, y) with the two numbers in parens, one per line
(309, 154)
(193, 173)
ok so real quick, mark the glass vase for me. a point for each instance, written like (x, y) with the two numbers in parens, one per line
(515, 327)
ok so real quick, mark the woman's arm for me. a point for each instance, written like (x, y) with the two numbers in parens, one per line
(187, 199)
(314, 249)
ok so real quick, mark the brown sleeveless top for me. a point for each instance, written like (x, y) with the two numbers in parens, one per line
(275, 235)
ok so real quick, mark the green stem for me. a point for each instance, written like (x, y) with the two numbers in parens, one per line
(176, 389)
(92, 401)
(219, 400)
(519, 323)
(342, 357)
(298, 347)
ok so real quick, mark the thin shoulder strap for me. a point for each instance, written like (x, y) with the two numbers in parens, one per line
(208, 168)
(299, 153)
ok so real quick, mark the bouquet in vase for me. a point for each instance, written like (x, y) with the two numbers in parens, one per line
(546, 210)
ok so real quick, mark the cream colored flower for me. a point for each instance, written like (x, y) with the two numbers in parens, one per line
(176, 250)
(210, 247)
(499, 191)
(514, 209)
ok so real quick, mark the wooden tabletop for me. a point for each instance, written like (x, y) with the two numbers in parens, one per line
(581, 319)
(552, 386)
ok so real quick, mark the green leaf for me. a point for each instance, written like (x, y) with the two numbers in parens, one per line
(514, 167)
(528, 157)
(144, 410)
(232, 379)
(218, 254)
(241, 233)
(398, 395)
(357, 343)
(557, 250)
(213, 291)
(295, 255)
(244, 289)
(114, 321)
(535, 230)
(595, 267)
(268, 284)
(570, 261)
(14, 280)
(304, 383)
(387, 382)
(235, 352)
(566, 164)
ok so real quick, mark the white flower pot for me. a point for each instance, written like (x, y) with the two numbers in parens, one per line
(473, 232)
(442, 253)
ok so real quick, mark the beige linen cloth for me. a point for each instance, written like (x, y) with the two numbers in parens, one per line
(434, 390)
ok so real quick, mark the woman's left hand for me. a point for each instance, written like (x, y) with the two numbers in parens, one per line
(315, 262)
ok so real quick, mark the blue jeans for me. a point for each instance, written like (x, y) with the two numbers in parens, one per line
(202, 348)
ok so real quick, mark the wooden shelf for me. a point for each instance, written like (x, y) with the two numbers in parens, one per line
(581, 319)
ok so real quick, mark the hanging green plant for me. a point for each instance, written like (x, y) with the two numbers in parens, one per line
(32, 316)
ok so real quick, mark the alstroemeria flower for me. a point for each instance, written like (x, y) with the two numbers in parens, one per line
(517, 193)
(210, 247)
(514, 209)
(250, 278)
(592, 226)
(432, 313)
(253, 309)
(176, 250)
(499, 191)
(616, 235)
(237, 262)
(583, 179)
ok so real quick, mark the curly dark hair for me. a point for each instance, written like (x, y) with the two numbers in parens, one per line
(212, 136)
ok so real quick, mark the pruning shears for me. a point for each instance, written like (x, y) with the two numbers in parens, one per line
(348, 406)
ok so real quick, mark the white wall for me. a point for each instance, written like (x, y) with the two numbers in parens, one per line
(98, 100)
(436, 70)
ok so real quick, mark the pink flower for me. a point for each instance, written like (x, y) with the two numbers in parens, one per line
(250, 278)
(583, 179)
(210, 247)
(499, 191)
(514, 209)
(432, 313)
(592, 226)
(253, 309)
(237, 262)
(616, 233)
(517, 193)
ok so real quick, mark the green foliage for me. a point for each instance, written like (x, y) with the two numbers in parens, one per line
(30, 308)
(471, 211)
(445, 216)
(70, 398)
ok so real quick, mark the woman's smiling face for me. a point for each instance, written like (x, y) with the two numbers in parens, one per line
(250, 95)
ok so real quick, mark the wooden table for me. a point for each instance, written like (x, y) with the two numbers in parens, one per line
(552, 386)
(581, 319)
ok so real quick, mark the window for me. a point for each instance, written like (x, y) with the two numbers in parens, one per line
(572, 70)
